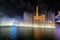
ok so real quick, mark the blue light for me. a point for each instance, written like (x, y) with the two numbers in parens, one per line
(58, 17)
(13, 32)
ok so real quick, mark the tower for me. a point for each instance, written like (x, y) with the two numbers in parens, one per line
(36, 18)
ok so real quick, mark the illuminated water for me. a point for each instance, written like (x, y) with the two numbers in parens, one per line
(13, 32)
(21, 33)
(58, 33)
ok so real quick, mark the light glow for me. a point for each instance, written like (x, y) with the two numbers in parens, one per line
(29, 25)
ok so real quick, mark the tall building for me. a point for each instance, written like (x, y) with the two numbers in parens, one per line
(38, 18)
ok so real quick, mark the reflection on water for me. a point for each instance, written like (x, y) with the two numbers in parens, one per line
(26, 33)
(58, 33)
(13, 32)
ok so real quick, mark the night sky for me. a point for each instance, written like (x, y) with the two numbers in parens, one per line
(9, 8)
(13, 8)
(53, 4)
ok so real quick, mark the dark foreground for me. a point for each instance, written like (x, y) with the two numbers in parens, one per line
(20, 33)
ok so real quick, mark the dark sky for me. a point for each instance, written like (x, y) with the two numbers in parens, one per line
(53, 4)
(11, 9)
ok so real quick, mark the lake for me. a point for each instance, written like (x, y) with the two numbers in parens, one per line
(25, 33)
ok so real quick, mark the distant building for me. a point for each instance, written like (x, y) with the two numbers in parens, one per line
(37, 18)
(28, 17)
